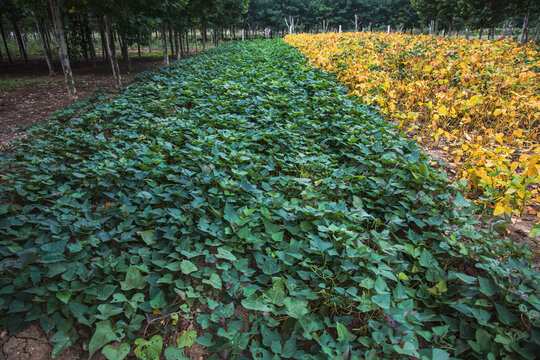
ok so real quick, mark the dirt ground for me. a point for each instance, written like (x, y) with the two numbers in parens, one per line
(28, 95)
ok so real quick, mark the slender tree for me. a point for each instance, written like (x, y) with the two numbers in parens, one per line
(60, 36)
(4, 40)
(164, 44)
(42, 37)
(111, 49)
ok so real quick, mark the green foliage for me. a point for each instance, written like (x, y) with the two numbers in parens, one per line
(251, 186)
(187, 339)
(149, 349)
(112, 353)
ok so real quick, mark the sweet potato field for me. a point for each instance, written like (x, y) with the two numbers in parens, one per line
(478, 100)
(245, 203)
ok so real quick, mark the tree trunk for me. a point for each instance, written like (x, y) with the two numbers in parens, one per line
(536, 32)
(525, 30)
(177, 46)
(173, 52)
(20, 42)
(47, 36)
(203, 32)
(187, 42)
(480, 35)
(5, 42)
(180, 45)
(196, 40)
(125, 53)
(62, 49)
(90, 41)
(150, 42)
(44, 44)
(111, 49)
(164, 44)
(81, 29)
(104, 47)
(139, 46)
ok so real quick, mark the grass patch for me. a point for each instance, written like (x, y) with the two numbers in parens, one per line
(18, 84)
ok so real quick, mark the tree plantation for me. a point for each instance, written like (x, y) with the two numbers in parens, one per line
(297, 180)
(81, 27)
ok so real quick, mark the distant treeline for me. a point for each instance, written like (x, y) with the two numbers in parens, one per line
(435, 16)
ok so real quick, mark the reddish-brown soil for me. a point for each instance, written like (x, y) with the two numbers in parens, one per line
(28, 95)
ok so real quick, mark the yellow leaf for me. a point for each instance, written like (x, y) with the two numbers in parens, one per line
(403, 276)
(499, 139)
(498, 210)
(514, 166)
(518, 133)
(532, 171)
(497, 112)
(443, 111)
(441, 286)
(510, 191)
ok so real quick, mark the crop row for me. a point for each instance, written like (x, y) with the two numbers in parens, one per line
(478, 100)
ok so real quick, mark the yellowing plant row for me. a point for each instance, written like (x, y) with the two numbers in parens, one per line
(478, 100)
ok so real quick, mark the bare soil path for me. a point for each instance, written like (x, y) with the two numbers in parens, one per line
(28, 95)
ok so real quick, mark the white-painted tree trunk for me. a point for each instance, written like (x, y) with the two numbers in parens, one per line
(111, 49)
(291, 24)
(525, 30)
(325, 25)
(62, 49)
